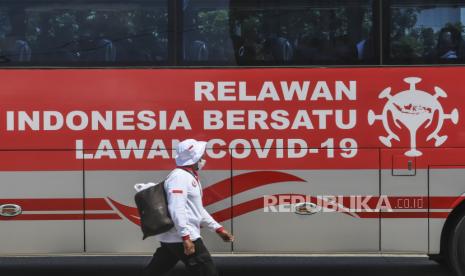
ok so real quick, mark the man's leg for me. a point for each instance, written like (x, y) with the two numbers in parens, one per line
(198, 264)
(162, 262)
(204, 259)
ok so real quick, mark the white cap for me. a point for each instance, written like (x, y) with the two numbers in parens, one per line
(189, 152)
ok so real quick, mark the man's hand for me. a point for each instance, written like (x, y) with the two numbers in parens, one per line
(226, 236)
(189, 247)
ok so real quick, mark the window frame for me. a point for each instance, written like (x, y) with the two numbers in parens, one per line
(381, 27)
(386, 40)
(24, 5)
(273, 64)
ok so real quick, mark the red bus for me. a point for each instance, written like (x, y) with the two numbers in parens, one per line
(332, 126)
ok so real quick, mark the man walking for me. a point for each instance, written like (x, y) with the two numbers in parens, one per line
(184, 194)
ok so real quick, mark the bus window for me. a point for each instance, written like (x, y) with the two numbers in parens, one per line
(425, 32)
(13, 44)
(88, 33)
(278, 32)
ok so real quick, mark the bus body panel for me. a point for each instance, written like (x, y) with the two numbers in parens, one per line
(444, 184)
(283, 230)
(366, 132)
(46, 224)
(407, 231)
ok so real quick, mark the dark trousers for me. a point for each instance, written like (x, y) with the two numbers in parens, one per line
(168, 254)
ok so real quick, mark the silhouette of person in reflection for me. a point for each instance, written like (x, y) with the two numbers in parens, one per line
(450, 45)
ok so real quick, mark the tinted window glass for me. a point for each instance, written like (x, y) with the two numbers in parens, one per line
(426, 32)
(270, 32)
(87, 33)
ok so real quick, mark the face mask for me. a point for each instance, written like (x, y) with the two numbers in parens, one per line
(202, 163)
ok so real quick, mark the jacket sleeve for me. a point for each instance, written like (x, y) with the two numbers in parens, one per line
(210, 222)
(176, 193)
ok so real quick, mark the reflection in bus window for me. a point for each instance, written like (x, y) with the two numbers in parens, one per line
(424, 32)
(84, 33)
(259, 32)
(13, 45)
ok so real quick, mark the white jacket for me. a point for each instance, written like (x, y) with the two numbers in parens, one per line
(184, 194)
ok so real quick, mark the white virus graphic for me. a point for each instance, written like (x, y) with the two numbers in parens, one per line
(413, 108)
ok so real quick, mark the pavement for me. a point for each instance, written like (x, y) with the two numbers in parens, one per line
(238, 266)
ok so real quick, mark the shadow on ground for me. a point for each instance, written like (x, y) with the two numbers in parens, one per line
(237, 266)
